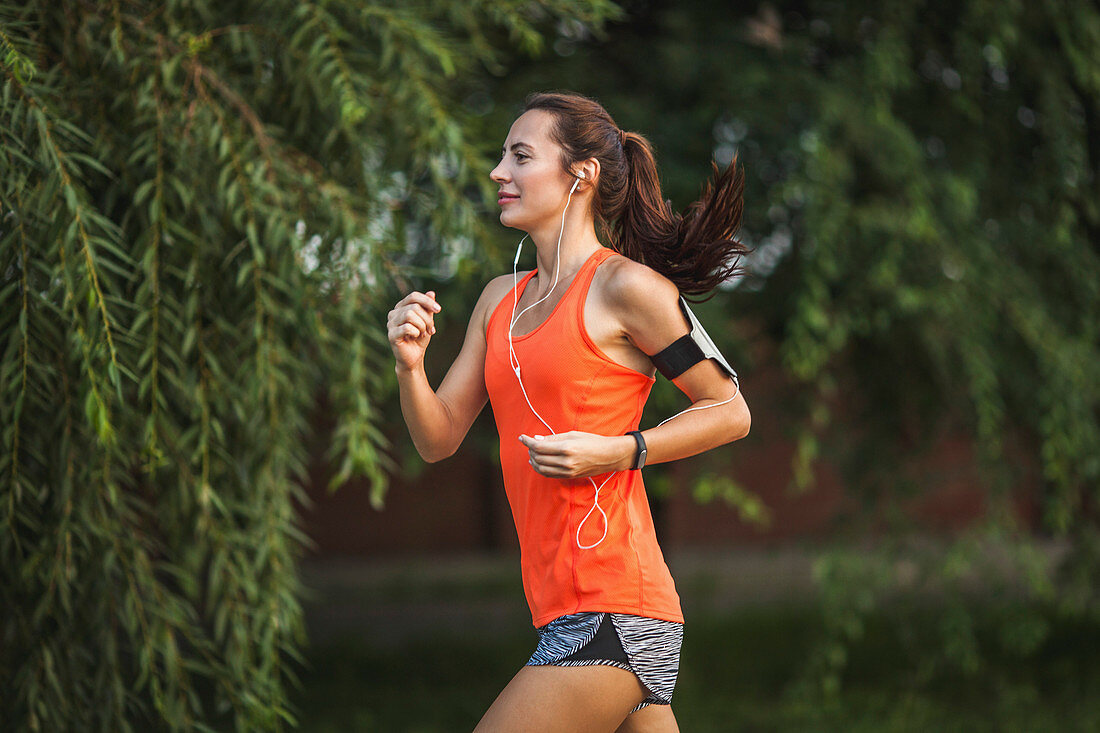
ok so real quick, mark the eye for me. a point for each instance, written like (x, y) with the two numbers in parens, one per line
(521, 156)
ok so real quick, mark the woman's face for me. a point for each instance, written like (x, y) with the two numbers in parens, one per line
(532, 185)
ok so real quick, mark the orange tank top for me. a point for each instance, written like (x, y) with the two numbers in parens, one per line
(574, 386)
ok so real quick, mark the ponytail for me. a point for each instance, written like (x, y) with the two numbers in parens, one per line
(696, 250)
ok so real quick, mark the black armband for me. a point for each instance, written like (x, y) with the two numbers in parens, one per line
(688, 350)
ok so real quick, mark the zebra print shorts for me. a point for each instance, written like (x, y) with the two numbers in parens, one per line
(648, 647)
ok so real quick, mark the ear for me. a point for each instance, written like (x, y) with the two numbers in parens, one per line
(590, 172)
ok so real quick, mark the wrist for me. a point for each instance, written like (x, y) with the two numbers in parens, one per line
(636, 450)
(402, 371)
(629, 448)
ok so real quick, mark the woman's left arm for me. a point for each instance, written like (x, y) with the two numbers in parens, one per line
(647, 305)
(650, 313)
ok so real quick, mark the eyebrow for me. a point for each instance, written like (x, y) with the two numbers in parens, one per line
(516, 145)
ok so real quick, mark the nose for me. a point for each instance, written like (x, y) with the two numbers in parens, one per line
(497, 174)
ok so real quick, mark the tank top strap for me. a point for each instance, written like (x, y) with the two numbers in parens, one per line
(579, 292)
(576, 293)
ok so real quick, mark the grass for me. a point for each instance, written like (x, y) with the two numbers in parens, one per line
(742, 670)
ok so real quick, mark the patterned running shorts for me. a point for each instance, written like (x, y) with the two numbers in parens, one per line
(648, 647)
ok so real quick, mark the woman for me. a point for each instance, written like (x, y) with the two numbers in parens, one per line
(564, 354)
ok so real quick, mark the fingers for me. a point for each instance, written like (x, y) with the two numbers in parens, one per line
(407, 331)
(541, 454)
(425, 300)
(414, 316)
(410, 327)
(567, 455)
(421, 323)
(544, 442)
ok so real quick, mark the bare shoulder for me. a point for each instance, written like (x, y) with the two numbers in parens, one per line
(644, 304)
(493, 294)
(629, 286)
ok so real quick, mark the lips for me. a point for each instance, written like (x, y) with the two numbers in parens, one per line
(503, 198)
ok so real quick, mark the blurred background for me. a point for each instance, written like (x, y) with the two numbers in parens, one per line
(215, 518)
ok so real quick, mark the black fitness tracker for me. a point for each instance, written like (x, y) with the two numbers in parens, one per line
(639, 456)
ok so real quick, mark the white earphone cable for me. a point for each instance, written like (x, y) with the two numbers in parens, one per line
(514, 361)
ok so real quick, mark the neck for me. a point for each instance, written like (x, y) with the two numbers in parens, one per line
(578, 242)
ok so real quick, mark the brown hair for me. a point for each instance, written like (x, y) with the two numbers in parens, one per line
(694, 250)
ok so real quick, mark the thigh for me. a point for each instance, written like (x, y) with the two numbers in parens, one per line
(547, 699)
(650, 719)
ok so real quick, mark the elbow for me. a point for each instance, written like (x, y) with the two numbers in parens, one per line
(742, 430)
(436, 456)
(428, 455)
(742, 424)
(432, 457)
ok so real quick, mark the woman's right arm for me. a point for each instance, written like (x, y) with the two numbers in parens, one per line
(439, 421)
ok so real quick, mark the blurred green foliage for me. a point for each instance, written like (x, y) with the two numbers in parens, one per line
(207, 209)
(739, 671)
(197, 200)
(923, 193)
(924, 199)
